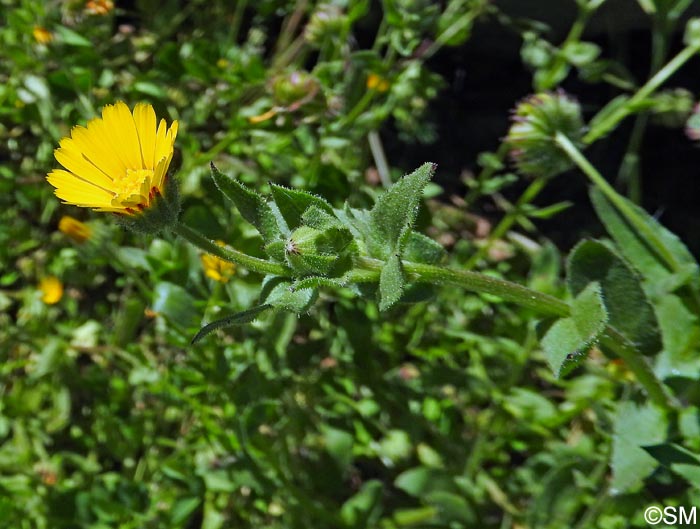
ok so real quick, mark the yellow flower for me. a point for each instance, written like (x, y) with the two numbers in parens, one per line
(375, 82)
(99, 7)
(117, 163)
(216, 268)
(42, 35)
(73, 228)
(51, 289)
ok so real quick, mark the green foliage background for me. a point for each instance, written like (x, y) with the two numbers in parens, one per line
(442, 413)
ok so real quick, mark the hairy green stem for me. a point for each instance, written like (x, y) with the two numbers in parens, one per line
(226, 253)
(620, 203)
(618, 344)
(476, 282)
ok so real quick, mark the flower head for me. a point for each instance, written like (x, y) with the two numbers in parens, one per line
(536, 121)
(51, 290)
(73, 228)
(119, 163)
(216, 268)
(42, 35)
(99, 7)
(377, 82)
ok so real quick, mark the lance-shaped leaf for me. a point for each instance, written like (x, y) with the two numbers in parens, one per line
(628, 309)
(391, 282)
(239, 318)
(395, 211)
(292, 204)
(250, 204)
(636, 247)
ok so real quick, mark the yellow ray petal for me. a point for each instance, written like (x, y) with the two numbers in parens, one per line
(165, 139)
(76, 191)
(80, 164)
(145, 119)
(160, 172)
(94, 143)
(120, 127)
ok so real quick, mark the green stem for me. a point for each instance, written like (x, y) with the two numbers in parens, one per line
(620, 203)
(254, 264)
(561, 61)
(476, 282)
(645, 91)
(618, 344)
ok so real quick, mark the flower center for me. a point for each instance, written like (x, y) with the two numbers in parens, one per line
(132, 188)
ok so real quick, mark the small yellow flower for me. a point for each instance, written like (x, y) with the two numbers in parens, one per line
(117, 163)
(73, 228)
(216, 268)
(376, 82)
(99, 7)
(51, 289)
(42, 35)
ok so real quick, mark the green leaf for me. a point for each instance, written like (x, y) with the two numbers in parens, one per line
(567, 341)
(422, 249)
(175, 304)
(338, 444)
(363, 509)
(628, 309)
(282, 295)
(680, 460)
(635, 427)
(395, 211)
(391, 282)
(292, 204)
(420, 481)
(613, 107)
(634, 246)
(251, 205)
(70, 37)
(246, 316)
(320, 219)
(680, 331)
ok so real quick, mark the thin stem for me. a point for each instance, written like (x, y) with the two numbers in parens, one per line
(226, 253)
(375, 145)
(617, 343)
(561, 61)
(620, 203)
(645, 91)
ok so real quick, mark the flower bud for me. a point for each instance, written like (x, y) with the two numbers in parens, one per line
(536, 121)
(298, 86)
(327, 21)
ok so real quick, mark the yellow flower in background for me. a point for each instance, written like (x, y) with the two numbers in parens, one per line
(73, 228)
(117, 163)
(42, 35)
(216, 268)
(378, 83)
(99, 7)
(51, 289)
